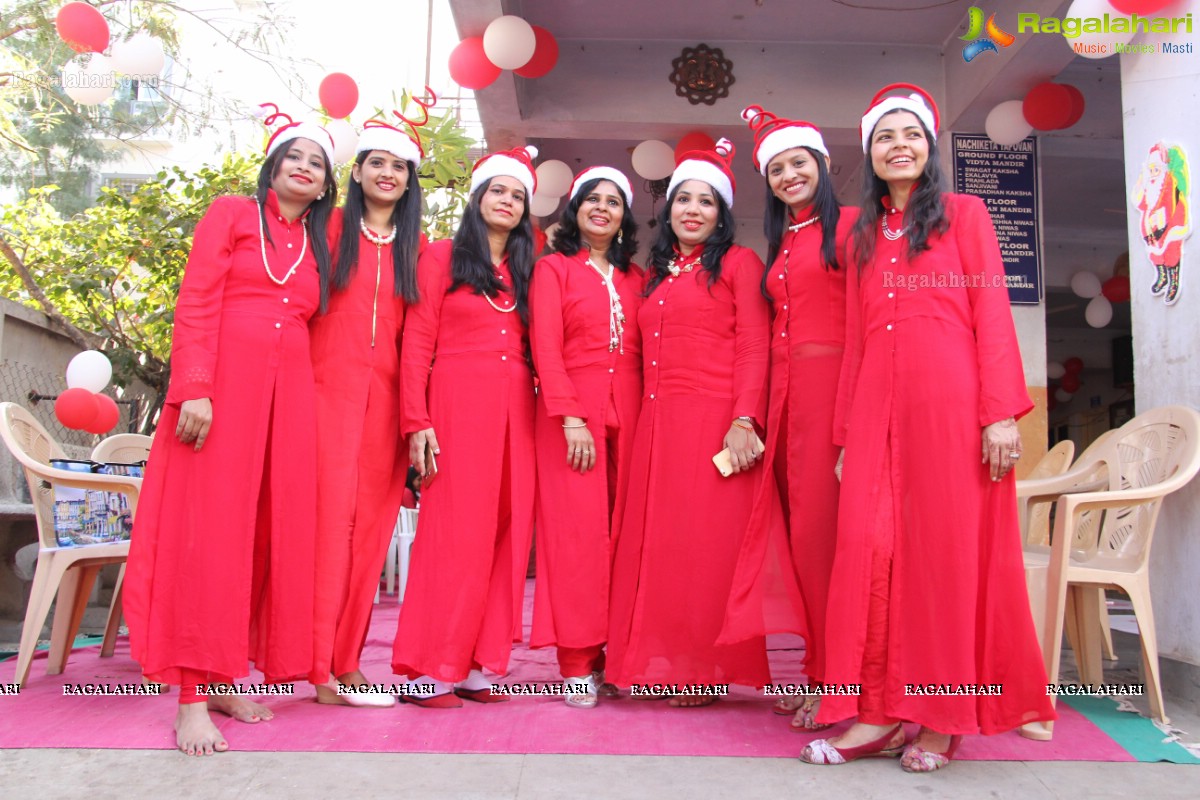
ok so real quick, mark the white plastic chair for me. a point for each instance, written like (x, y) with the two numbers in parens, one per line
(63, 575)
(400, 552)
(1151, 456)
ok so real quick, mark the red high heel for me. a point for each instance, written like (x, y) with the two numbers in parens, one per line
(820, 751)
(918, 759)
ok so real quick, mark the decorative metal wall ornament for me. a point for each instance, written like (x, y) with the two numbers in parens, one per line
(657, 191)
(702, 74)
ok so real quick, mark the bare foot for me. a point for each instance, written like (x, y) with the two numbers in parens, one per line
(239, 708)
(788, 704)
(859, 734)
(195, 733)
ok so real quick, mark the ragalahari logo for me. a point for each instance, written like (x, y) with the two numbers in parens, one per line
(977, 42)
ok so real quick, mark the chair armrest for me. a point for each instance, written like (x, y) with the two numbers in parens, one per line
(1052, 487)
(86, 480)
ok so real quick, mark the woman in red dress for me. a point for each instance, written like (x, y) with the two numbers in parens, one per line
(221, 562)
(806, 235)
(467, 410)
(927, 607)
(583, 301)
(705, 330)
(361, 458)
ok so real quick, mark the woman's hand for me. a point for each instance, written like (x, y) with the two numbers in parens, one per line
(417, 444)
(837, 468)
(581, 448)
(741, 442)
(195, 419)
(1001, 447)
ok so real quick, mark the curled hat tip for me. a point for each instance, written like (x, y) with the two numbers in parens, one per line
(532, 151)
(724, 146)
(750, 112)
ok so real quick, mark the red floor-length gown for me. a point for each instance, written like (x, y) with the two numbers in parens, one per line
(580, 376)
(704, 355)
(221, 560)
(465, 375)
(362, 460)
(932, 358)
(807, 340)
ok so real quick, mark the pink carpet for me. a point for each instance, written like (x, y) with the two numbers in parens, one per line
(739, 725)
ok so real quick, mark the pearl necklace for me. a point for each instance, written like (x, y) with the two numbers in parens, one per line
(616, 314)
(262, 240)
(675, 270)
(805, 224)
(491, 303)
(888, 233)
(374, 238)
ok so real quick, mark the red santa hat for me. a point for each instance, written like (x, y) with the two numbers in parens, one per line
(378, 135)
(603, 173)
(773, 135)
(714, 167)
(516, 163)
(918, 102)
(270, 114)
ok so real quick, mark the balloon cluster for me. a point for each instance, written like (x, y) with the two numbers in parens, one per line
(509, 42)
(553, 181)
(1067, 375)
(655, 160)
(1102, 44)
(81, 407)
(1100, 296)
(1046, 107)
(92, 79)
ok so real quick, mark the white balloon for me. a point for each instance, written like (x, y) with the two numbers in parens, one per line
(345, 140)
(509, 42)
(1099, 311)
(89, 370)
(653, 160)
(1089, 45)
(554, 178)
(89, 84)
(1055, 370)
(1062, 395)
(1005, 124)
(141, 55)
(1085, 284)
(542, 205)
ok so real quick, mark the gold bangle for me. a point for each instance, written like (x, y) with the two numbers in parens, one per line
(737, 423)
(581, 425)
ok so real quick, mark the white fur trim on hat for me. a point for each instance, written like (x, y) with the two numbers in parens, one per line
(785, 138)
(696, 170)
(507, 163)
(605, 173)
(390, 140)
(912, 103)
(302, 130)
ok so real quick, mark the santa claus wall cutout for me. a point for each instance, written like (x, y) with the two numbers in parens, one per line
(1161, 198)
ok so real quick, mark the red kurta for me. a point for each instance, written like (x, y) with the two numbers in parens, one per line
(464, 373)
(579, 376)
(704, 355)
(931, 358)
(221, 561)
(807, 338)
(362, 460)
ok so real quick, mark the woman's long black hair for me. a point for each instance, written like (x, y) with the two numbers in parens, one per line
(567, 239)
(825, 205)
(471, 255)
(924, 214)
(406, 216)
(665, 243)
(318, 210)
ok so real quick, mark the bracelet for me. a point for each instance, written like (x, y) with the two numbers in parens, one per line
(737, 423)
(580, 425)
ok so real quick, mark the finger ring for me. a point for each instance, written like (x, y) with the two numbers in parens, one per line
(1014, 456)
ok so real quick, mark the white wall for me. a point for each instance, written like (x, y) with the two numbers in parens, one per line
(1160, 103)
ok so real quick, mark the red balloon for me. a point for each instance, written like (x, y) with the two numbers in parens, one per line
(696, 140)
(1070, 382)
(545, 54)
(1142, 7)
(76, 408)
(339, 94)
(83, 28)
(1116, 289)
(1048, 106)
(1077, 104)
(469, 65)
(1073, 365)
(107, 416)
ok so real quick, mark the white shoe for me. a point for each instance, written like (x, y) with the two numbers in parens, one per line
(581, 692)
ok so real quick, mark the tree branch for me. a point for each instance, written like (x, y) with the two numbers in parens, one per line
(80, 337)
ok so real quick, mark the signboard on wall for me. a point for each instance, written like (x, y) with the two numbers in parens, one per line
(1005, 177)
